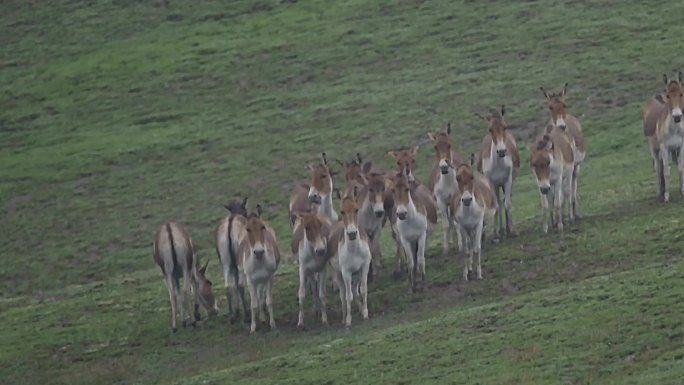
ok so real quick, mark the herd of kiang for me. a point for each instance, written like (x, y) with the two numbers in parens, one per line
(342, 240)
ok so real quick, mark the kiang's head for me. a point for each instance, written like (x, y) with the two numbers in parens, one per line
(673, 98)
(555, 102)
(406, 161)
(321, 181)
(401, 193)
(542, 154)
(314, 231)
(465, 179)
(206, 295)
(442, 146)
(496, 124)
(350, 216)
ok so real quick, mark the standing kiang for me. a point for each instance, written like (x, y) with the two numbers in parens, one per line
(499, 162)
(257, 261)
(403, 206)
(366, 182)
(413, 219)
(309, 244)
(316, 195)
(228, 234)
(443, 185)
(474, 206)
(664, 130)
(552, 163)
(350, 259)
(568, 123)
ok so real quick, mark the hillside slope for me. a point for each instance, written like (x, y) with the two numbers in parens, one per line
(117, 116)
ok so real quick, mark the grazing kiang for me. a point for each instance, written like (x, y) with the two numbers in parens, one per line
(499, 162)
(443, 185)
(174, 253)
(414, 219)
(552, 165)
(350, 254)
(317, 195)
(571, 126)
(664, 130)
(309, 243)
(257, 261)
(475, 205)
(228, 234)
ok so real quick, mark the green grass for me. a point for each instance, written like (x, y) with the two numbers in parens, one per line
(117, 116)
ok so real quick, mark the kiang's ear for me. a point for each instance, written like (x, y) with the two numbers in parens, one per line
(415, 148)
(367, 167)
(358, 158)
(448, 130)
(431, 136)
(203, 270)
(503, 110)
(659, 98)
(300, 213)
(337, 193)
(393, 154)
(325, 159)
(258, 209)
(546, 95)
(244, 202)
(680, 76)
(548, 141)
(479, 115)
(665, 80)
(565, 90)
(341, 163)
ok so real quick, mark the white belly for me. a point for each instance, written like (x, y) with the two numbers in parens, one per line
(469, 218)
(353, 255)
(673, 142)
(411, 230)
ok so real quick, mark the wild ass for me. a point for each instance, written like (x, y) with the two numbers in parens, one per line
(552, 162)
(406, 166)
(358, 171)
(228, 234)
(174, 253)
(571, 125)
(414, 219)
(309, 244)
(443, 184)
(406, 161)
(257, 261)
(664, 129)
(474, 204)
(350, 255)
(500, 162)
(368, 185)
(316, 195)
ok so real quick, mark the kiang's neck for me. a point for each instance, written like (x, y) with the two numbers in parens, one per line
(326, 207)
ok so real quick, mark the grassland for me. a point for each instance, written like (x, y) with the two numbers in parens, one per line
(116, 116)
